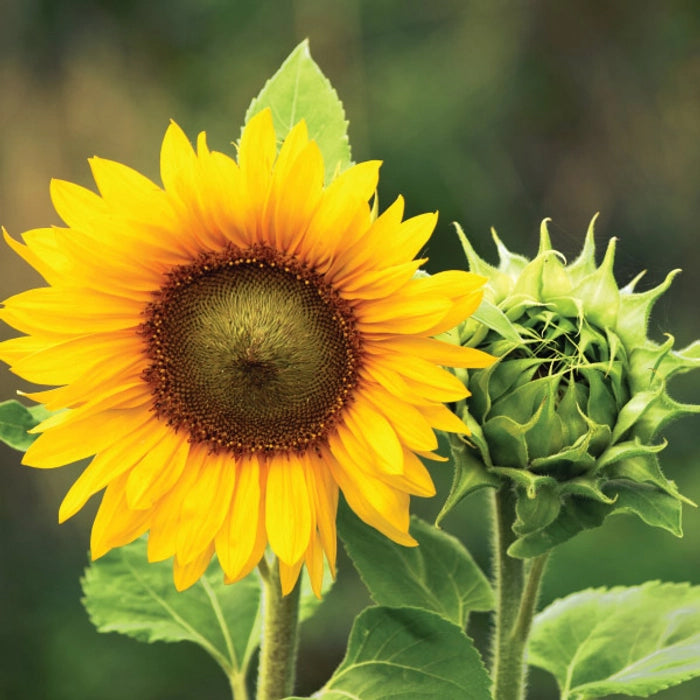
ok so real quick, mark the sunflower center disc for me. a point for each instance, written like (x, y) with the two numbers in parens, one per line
(250, 351)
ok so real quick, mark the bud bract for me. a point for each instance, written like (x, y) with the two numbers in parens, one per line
(572, 411)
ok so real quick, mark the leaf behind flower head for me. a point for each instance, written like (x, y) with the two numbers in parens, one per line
(16, 419)
(299, 90)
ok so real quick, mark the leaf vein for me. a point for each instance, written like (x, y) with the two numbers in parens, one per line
(202, 640)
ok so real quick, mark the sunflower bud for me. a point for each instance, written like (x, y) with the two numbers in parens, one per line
(571, 412)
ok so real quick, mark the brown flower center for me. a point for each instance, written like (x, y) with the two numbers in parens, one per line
(250, 350)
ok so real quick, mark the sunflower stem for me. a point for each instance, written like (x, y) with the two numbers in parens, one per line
(278, 651)
(517, 587)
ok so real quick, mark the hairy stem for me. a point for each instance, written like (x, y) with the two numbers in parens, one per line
(517, 587)
(278, 650)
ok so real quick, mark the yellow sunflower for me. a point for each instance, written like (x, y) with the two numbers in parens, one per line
(236, 347)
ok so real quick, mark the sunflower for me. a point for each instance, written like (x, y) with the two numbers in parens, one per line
(235, 348)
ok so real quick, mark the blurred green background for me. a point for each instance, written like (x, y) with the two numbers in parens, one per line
(495, 113)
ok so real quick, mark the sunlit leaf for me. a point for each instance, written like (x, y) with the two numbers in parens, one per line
(299, 90)
(632, 641)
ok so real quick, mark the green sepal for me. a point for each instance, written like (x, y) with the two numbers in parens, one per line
(632, 641)
(490, 385)
(555, 285)
(664, 362)
(16, 419)
(546, 434)
(601, 407)
(543, 278)
(587, 487)
(635, 309)
(600, 292)
(644, 468)
(299, 90)
(585, 503)
(654, 507)
(575, 423)
(524, 479)
(481, 267)
(537, 511)
(491, 317)
(584, 264)
(577, 514)
(624, 451)
(633, 410)
(507, 442)
(568, 461)
(469, 475)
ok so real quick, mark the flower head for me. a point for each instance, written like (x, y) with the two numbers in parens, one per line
(236, 347)
(571, 412)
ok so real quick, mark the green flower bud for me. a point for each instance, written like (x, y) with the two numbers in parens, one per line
(572, 410)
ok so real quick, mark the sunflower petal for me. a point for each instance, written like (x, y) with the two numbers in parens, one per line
(162, 540)
(105, 467)
(434, 351)
(289, 517)
(185, 575)
(324, 491)
(205, 506)
(379, 505)
(71, 441)
(115, 524)
(158, 470)
(376, 431)
(238, 542)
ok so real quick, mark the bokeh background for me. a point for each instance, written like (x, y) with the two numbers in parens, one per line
(496, 113)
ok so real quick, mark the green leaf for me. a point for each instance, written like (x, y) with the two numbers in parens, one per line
(127, 594)
(439, 575)
(413, 652)
(16, 419)
(299, 90)
(632, 641)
